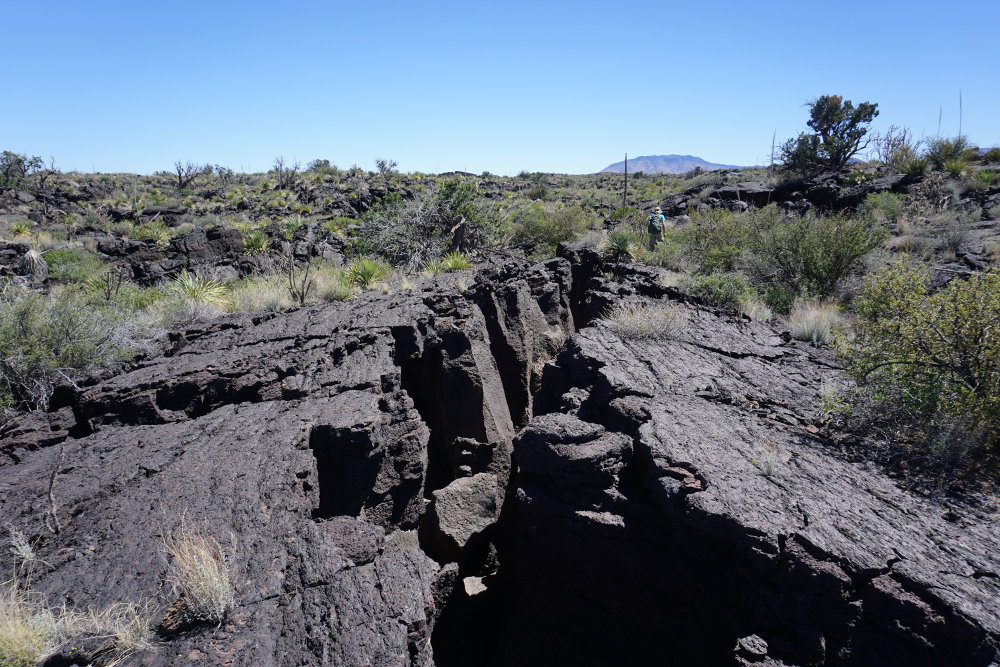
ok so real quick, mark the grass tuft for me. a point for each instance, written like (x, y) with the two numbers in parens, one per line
(199, 573)
(647, 321)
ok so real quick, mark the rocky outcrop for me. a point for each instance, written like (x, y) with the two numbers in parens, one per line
(481, 471)
(675, 506)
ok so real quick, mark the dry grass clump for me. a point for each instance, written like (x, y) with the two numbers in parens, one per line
(911, 244)
(814, 322)
(647, 321)
(266, 292)
(756, 310)
(29, 630)
(199, 573)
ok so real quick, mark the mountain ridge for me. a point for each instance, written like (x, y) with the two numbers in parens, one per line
(666, 164)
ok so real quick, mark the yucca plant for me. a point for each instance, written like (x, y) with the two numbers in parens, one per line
(20, 228)
(456, 261)
(435, 267)
(365, 272)
(256, 243)
(195, 288)
(621, 247)
(155, 230)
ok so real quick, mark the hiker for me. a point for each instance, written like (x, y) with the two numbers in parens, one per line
(654, 225)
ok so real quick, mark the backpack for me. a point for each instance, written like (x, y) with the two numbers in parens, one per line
(654, 223)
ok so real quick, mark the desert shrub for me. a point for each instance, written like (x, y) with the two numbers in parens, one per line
(14, 167)
(670, 253)
(932, 357)
(722, 289)
(546, 225)
(941, 151)
(896, 149)
(911, 244)
(199, 574)
(955, 168)
(814, 322)
(365, 272)
(716, 238)
(31, 631)
(256, 243)
(810, 255)
(984, 178)
(267, 292)
(333, 285)
(992, 156)
(411, 231)
(47, 339)
(647, 321)
(883, 206)
(75, 265)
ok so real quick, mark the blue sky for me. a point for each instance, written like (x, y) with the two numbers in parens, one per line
(437, 86)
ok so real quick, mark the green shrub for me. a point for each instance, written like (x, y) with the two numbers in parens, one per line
(955, 168)
(810, 255)
(435, 267)
(883, 206)
(716, 238)
(338, 224)
(984, 178)
(547, 225)
(933, 357)
(47, 338)
(647, 321)
(722, 289)
(941, 151)
(73, 266)
(992, 156)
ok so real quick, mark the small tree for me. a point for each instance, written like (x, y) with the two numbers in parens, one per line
(188, 171)
(387, 168)
(840, 131)
(285, 173)
(14, 167)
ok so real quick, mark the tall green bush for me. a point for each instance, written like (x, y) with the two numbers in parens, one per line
(933, 356)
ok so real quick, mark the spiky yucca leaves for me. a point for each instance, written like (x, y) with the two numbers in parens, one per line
(191, 287)
(366, 272)
(256, 243)
(456, 261)
(621, 247)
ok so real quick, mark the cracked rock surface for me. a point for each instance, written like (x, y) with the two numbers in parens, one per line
(491, 475)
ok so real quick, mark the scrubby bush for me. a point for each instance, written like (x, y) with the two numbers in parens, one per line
(722, 289)
(190, 286)
(256, 243)
(931, 357)
(456, 261)
(809, 255)
(882, 206)
(74, 265)
(716, 238)
(48, 339)
(621, 246)
(543, 226)
(958, 149)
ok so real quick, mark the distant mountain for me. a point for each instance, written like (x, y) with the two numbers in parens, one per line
(665, 164)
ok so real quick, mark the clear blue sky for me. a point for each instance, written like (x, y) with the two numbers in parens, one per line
(539, 86)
